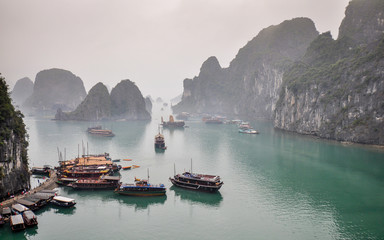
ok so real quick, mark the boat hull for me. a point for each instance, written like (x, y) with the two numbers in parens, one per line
(196, 187)
(141, 194)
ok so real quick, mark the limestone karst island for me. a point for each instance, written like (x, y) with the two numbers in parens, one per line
(192, 120)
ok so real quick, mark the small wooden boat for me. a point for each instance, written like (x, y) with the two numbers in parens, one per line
(17, 223)
(135, 166)
(127, 159)
(6, 212)
(29, 218)
(127, 168)
(116, 160)
(63, 201)
(159, 142)
(18, 208)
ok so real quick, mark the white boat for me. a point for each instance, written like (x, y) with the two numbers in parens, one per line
(63, 201)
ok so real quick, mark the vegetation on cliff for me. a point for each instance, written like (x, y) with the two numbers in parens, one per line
(124, 102)
(249, 86)
(13, 145)
(336, 90)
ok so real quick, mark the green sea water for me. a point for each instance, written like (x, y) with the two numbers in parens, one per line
(277, 185)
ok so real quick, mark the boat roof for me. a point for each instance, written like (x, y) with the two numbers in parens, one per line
(48, 191)
(20, 208)
(6, 210)
(25, 202)
(44, 196)
(29, 214)
(63, 199)
(17, 219)
(204, 177)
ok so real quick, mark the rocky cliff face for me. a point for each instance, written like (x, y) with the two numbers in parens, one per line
(14, 175)
(337, 90)
(21, 91)
(128, 102)
(148, 104)
(251, 84)
(125, 102)
(363, 22)
(96, 106)
(56, 88)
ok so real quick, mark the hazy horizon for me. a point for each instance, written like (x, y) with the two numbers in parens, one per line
(154, 44)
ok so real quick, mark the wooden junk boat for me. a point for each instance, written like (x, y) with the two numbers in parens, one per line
(100, 132)
(105, 182)
(172, 123)
(29, 218)
(17, 223)
(141, 188)
(63, 201)
(159, 142)
(45, 170)
(196, 181)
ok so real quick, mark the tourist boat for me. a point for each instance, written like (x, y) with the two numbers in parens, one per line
(18, 208)
(63, 201)
(105, 182)
(6, 212)
(172, 123)
(246, 128)
(141, 188)
(17, 223)
(45, 170)
(29, 218)
(87, 172)
(29, 203)
(195, 181)
(97, 130)
(159, 142)
(64, 181)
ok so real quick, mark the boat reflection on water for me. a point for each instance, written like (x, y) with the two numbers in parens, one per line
(141, 203)
(63, 210)
(202, 198)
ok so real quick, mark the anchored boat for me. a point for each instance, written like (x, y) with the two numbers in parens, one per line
(141, 188)
(196, 181)
(63, 201)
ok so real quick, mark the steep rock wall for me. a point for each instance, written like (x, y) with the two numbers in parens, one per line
(14, 175)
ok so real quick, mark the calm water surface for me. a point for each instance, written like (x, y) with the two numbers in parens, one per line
(276, 185)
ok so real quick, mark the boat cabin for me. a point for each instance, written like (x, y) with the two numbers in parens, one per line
(18, 208)
(17, 223)
(6, 212)
(28, 203)
(29, 218)
(63, 201)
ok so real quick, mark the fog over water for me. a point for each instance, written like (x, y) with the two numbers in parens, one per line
(156, 44)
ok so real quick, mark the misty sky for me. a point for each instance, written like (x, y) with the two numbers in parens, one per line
(155, 43)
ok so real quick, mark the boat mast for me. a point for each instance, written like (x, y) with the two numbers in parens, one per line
(148, 174)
